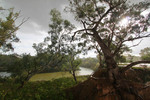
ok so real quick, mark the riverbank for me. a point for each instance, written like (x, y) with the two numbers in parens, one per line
(55, 75)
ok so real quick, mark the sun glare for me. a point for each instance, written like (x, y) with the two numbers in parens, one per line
(124, 22)
(145, 13)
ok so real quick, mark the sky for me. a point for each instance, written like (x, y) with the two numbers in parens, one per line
(36, 28)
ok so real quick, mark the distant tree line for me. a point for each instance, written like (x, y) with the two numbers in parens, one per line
(89, 63)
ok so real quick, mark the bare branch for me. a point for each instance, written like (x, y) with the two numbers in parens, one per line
(132, 64)
(23, 21)
(135, 44)
(82, 30)
(136, 38)
(111, 35)
(105, 14)
(86, 28)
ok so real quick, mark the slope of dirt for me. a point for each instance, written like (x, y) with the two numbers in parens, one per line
(98, 87)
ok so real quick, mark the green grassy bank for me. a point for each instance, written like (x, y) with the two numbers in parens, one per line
(49, 76)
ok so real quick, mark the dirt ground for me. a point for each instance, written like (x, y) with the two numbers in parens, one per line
(98, 87)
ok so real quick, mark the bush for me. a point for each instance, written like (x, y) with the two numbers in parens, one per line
(43, 90)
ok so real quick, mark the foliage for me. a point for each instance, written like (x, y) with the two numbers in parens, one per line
(145, 53)
(72, 62)
(6, 61)
(101, 24)
(22, 68)
(8, 29)
(103, 28)
(121, 59)
(89, 63)
(40, 90)
(46, 90)
(56, 45)
(58, 34)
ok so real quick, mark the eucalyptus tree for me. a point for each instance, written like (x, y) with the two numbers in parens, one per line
(102, 22)
(109, 24)
(57, 43)
(72, 60)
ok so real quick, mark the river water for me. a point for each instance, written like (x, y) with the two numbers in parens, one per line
(84, 71)
(4, 74)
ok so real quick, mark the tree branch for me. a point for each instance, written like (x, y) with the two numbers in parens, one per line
(81, 31)
(118, 49)
(111, 35)
(105, 14)
(135, 44)
(138, 37)
(96, 7)
(86, 30)
(132, 64)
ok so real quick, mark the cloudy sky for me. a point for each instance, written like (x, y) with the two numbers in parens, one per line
(36, 28)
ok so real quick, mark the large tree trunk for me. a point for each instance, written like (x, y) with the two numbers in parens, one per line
(101, 65)
(109, 83)
(112, 66)
(99, 87)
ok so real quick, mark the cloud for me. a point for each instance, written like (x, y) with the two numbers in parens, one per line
(37, 10)
(35, 25)
(36, 28)
(27, 40)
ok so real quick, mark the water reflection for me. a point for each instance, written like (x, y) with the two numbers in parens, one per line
(4, 74)
(84, 71)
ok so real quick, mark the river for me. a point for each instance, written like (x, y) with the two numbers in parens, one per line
(4, 74)
(84, 71)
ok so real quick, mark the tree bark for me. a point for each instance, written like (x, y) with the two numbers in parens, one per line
(112, 66)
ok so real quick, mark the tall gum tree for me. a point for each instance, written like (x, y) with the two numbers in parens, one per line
(110, 24)
(102, 20)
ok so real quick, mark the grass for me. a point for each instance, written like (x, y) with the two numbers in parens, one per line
(54, 75)
(49, 76)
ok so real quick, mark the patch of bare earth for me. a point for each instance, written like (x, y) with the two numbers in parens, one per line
(98, 87)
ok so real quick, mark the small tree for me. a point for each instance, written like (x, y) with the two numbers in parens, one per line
(24, 67)
(72, 61)
(57, 43)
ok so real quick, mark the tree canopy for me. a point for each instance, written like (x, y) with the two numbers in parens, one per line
(101, 25)
(57, 45)
(8, 29)
(108, 25)
(101, 22)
